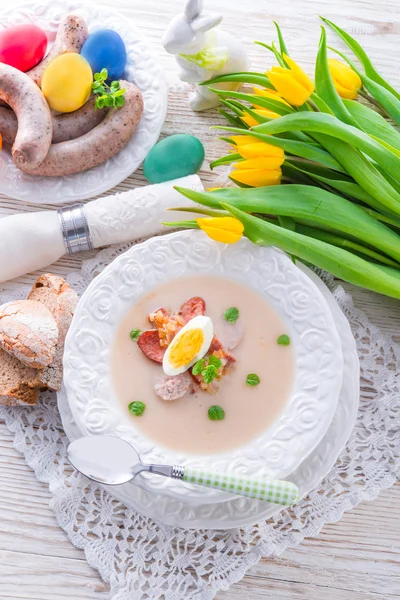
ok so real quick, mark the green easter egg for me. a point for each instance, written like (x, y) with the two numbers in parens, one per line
(175, 156)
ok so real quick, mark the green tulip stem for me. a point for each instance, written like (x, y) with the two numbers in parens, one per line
(372, 100)
(313, 105)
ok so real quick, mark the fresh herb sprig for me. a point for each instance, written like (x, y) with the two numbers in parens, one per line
(107, 95)
(135, 334)
(231, 314)
(216, 413)
(137, 408)
(208, 368)
(252, 379)
(283, 340)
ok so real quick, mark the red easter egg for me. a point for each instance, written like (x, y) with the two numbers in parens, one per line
(22, 46)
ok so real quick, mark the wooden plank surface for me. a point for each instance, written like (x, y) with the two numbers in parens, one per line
(355, 559)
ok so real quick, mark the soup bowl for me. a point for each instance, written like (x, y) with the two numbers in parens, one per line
(312, 397)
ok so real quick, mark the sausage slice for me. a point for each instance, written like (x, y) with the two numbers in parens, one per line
(149, 344)
(173, 388)
(192, 308)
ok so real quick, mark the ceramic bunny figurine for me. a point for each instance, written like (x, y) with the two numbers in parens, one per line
(203, 53)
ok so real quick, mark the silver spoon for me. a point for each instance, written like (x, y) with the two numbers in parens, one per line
(113, 461)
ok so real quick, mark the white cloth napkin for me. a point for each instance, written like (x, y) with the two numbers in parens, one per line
(34, 240)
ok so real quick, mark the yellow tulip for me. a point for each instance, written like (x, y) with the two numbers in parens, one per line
(263, 112)
(226, 230)
(271, 94)
(346, 81)
(257, 177)
(291, 83)
(262, 162)
(249, 147)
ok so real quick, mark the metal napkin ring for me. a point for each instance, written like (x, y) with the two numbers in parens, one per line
(75, 228)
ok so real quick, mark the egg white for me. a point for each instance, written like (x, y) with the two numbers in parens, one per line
(206, 326)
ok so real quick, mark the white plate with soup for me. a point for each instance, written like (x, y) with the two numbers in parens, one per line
(267, 429)
(239, 511)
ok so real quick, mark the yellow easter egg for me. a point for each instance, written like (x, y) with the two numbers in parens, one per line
(67, 82)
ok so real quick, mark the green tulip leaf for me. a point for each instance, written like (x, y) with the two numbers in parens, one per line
(346, 244)
(305, 150)
(327, 124)
(325, 87)
(362, 56)
(389, 101)
(225, 160)
(272, 48)
(263, 101)
(365, 173)
(245, 77)
(373, 123)
(316, 206)
(341, 263)
(333, 179)
(320, 104)
(282, 44)
(383, 97)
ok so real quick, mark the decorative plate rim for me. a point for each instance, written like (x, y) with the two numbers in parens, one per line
(319, 361)
(143, 68)
(234, 512)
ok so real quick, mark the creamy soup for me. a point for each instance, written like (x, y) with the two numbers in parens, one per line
(184, 424)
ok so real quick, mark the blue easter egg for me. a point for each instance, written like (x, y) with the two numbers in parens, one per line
(105, 49)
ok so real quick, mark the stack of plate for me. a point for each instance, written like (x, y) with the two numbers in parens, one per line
(314, 426)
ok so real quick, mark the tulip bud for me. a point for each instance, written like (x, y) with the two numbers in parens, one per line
(226, 230)
(256, 177)
(291, 83)
(267, 93)
(346, 81)
(263, 112)
(261, 165)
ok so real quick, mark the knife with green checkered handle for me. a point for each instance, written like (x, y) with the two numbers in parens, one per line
(269, 490)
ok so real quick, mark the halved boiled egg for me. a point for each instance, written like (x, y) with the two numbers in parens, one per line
(189, 345)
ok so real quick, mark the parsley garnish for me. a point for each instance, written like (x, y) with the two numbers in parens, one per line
(209, 374)
(283, 340)
(198, 367)
(137, 408)
(215, 361)
(231, 314)
(107, 95)
(216, 413)
(135, 334)
(252, 379)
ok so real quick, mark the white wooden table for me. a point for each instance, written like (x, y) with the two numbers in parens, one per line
(355, 559)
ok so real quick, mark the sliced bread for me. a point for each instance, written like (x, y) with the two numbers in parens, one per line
(18, 383)
(61, 300)
(29, 332)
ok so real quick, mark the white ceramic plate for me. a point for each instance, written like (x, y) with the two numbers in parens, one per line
(240, 512)
(142, 69)
(308, 320)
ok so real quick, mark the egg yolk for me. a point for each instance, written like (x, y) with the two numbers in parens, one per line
(186, 347)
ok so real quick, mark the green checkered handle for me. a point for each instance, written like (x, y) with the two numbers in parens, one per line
(269, 490)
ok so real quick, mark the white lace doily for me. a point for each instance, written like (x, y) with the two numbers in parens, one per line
(141, 559)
